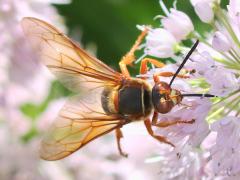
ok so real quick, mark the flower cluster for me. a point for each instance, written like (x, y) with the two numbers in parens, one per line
(22, 81)
(209, 147)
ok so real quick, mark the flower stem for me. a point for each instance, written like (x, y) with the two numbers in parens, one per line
(224, 20)
(231, 105)
(234, 55)
(198, 36)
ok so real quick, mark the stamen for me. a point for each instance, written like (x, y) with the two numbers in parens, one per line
(164, 8)
(141, 27)
(158, 17)
(140, 58)
(175, 4)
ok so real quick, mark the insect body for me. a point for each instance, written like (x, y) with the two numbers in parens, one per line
(135, 99)
(132, 99)
(112, 100)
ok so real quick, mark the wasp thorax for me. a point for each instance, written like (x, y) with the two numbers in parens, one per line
(164, 98)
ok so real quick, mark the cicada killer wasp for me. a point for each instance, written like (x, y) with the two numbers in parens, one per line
(112, 99)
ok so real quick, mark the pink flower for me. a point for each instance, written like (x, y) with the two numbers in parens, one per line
(220, 42)
(203, 9)
(202, 63)
(180, 20)
(226, 145)
(222, 81)
(182, 162)
(160, 43)
(22, 77)
(18, 160)
(24, 63)
(22, 80)
(18, 123)
(192, 134)
(216, 65)
(234, 11)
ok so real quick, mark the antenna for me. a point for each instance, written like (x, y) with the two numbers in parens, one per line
(198, 95)
(184, 61)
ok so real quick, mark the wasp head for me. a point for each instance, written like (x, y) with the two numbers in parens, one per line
(164, 98)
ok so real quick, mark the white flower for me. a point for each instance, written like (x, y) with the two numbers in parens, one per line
(203, 10)
(18, 160)
(220, 42)
(178, 23)
(225, 153)
(160, 43)
(17, 122)
(216, 63)
(192, 134)
(201, 62)
(182, 162)
(55, 1)
(23, 81)
(222, 80)
(234, 10)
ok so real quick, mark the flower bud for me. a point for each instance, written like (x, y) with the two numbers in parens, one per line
(180, 20)
(220, 42)
(204, 11)
(160, 43)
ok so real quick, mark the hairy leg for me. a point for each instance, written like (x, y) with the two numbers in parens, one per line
(130, 57)
(162, 139)
(119, 135)
(168, 123)
(156, 76)
(144, 67)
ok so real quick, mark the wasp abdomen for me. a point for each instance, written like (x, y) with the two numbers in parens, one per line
(128, 101)
(108, 100)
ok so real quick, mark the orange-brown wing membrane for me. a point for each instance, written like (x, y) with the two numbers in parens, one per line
(79, 122)
(73, 66)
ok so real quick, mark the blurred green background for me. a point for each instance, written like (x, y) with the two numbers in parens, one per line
(111, 24)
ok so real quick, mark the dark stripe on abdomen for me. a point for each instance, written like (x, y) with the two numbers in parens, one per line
(130, 101)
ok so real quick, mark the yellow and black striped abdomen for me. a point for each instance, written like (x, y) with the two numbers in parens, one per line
(132, 101)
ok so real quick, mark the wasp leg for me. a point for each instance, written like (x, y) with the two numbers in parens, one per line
(162, 139)
(130, 57)
(119, 135)
(168, 123)
(144, 67)
(166, 74)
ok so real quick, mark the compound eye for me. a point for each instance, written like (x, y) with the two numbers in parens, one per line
(161, 102)
(165, 106)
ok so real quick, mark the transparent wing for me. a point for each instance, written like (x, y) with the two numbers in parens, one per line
(73, 66)
(79, 122)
